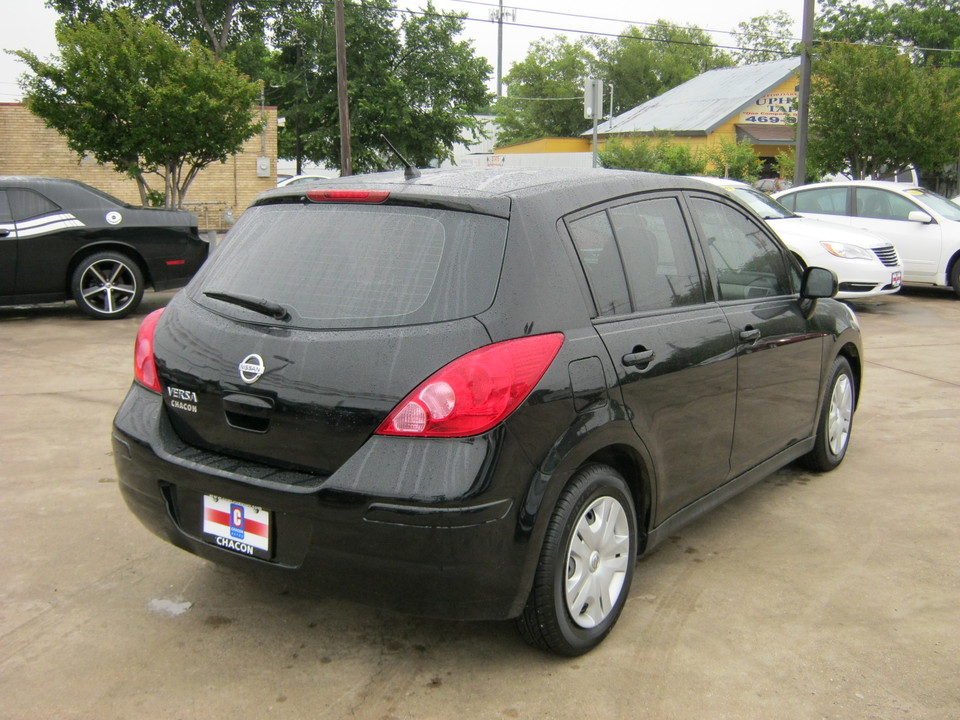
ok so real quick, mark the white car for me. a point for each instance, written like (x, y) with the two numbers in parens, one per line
(924, 226)
(866, 265)
(298, 179)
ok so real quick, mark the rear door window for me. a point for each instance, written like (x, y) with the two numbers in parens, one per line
(600, 257)
(334, 266)
(658, 257)
(638, 257)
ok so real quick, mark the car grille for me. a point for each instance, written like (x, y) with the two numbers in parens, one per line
(888, 255)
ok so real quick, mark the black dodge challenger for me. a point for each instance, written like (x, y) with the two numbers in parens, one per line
(61, 239)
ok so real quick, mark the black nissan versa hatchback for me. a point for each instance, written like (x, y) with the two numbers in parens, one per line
(480, 394)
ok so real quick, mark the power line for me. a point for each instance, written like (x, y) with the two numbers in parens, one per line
(602, 19)
(717, 46)
(577, 31)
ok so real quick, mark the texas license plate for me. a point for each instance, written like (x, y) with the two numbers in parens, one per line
(236, 526)
(895, 279)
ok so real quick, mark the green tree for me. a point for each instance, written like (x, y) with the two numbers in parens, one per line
(736, 160)
(642, 64)
(546, 88)
(873, 110)
(786, 163)
(414, 82)
(683, 53)
(545, 92)
(930, 29)
(129, 94)
(764, 38)
(662, 155)
(237, 27)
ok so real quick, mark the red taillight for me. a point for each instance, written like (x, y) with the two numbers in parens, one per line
(357, 196)
(144, 367)
(474, 392)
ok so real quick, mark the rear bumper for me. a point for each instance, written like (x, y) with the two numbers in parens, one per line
(442, 542)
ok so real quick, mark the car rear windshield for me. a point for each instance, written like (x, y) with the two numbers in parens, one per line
(335, 266)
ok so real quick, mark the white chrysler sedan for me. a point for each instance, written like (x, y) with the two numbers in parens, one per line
(924, 226)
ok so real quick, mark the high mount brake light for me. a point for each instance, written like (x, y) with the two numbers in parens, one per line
(340, 196)
(144, 366)
(475, 392)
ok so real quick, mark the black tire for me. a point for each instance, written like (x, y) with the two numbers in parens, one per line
(836, 420)
(107, 285)
(955, 277)
(573, 620)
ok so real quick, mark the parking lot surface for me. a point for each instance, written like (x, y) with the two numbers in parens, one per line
(807, 596)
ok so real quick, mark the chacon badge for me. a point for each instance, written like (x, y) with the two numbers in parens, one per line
(251, 368)
(114, 218)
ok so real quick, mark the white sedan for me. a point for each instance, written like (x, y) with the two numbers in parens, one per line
(924, 226)
(866, 265)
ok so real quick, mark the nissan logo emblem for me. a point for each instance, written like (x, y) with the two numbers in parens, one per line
(251, 368)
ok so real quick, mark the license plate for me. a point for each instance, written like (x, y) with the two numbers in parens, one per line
(236, 526)
(895, 279)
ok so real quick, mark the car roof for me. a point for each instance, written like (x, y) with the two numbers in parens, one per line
(492, 189)
(63, 191)
(888, 184)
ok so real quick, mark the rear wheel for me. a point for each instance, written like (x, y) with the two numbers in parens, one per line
(586, 565)
(107, 285)
(955, 277)
(836, 420)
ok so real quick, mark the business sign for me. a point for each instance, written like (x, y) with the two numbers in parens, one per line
(772, 109)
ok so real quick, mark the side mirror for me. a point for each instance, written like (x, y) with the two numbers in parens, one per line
(918, 216)
(818, 283)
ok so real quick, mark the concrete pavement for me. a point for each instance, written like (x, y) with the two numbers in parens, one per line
(831, 596)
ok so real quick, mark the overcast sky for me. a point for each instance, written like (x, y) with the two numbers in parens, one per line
(30, 26)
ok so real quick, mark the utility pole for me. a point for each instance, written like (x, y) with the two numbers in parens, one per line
(803, 112)
(346, 160)
(499, 15)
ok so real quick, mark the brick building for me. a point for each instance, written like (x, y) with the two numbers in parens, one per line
(218, 195)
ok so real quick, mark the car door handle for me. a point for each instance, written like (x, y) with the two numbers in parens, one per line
(640, 357)
(750, 335)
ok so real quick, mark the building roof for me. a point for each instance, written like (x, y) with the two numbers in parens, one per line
(700, 105)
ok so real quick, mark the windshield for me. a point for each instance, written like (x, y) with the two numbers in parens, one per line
(763, 205)
(937, 203)
(336, 266)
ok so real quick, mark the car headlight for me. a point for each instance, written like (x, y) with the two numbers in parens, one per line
(847, 251)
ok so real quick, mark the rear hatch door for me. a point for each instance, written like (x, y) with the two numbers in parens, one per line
(313, 321)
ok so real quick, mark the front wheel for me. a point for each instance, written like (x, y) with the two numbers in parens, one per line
(955, 277)
(836, 420)
(586, 565)
(107, 285)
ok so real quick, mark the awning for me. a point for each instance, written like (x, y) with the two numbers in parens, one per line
(766, 134)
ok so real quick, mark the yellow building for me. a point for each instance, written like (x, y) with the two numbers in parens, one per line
(755, 103)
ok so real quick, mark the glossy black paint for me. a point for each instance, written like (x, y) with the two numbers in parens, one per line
(39, 252)
(690, 405)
